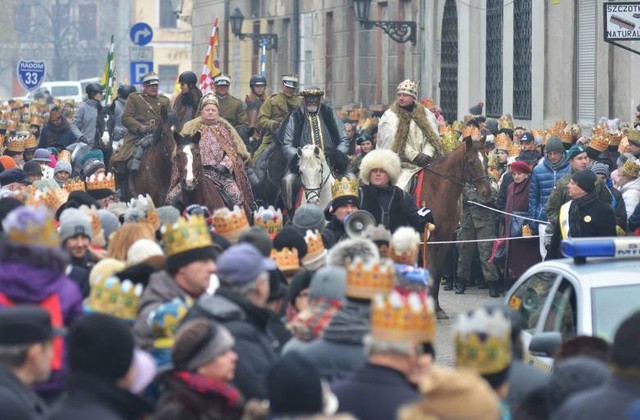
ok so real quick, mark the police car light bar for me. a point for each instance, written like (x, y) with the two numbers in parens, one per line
(581, 248)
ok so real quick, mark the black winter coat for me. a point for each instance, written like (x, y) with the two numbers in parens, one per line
(17, 401)
(333, 233)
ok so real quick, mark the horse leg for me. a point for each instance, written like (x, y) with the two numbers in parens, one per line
(435, 265)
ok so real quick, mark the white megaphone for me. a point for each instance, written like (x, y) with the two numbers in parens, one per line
(357, 222)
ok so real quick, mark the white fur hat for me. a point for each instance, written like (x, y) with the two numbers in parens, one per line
(142, 249)
(381, 159)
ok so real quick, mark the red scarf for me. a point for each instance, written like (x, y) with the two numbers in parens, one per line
(208, 386)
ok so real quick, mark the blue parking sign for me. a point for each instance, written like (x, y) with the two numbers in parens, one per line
(139, 69)
(31, 73)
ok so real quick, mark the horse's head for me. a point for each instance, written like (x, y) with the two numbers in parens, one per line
(188, 161)
(313, 170)
(475, 167)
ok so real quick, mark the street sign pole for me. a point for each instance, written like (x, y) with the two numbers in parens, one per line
(140, 56)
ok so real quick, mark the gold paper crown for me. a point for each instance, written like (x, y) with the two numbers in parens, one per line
(10, 125)
(630, 169)
(36, 120)
(514, 150)
(23, 127)
(599, 143)
(471, 131)
(31, 142)
(458, 126)
(16, 144)
(632, 134)
(344, 187)
(54, 198)
(566, 136)
(397, 318)
(559, 125)
(74, 185)
(119, 299)
(101, 182)
(483, 341)
(505, 122)
(268, 219)
(364, 281)
(64, 155)
(493, 161)
(186, 235)
(34, 233)
(287, 259)
(616, 138)
(502, 141)
(230, 223)
(315, 247)
(537, 133)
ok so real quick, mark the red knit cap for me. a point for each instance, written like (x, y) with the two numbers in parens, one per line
(7, 162)
(520, 167)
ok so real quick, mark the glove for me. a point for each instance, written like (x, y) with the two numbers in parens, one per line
(426, 214)
(221, 169)
(422, 160)
(143, 129)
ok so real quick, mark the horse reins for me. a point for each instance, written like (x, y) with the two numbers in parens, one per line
(310, 193)
(455, 181)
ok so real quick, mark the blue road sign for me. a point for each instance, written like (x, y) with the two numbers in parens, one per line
(141, 33)
(31, 73)
(139, 69)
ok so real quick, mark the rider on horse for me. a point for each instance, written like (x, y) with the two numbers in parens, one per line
(252, 104)
(85, 119)
(186, 103)
(141, 116)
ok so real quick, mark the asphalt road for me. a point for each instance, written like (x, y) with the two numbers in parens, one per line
(453, 305)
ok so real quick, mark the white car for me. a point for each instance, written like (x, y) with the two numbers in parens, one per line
(590, 293)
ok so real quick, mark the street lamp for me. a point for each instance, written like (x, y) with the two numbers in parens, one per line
(399, 31)
(236, 19)
(176, 6)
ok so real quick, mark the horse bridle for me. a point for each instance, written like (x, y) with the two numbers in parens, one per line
(455, 181)
(311, 193)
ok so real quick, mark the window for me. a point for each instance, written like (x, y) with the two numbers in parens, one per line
(22, 17)
(528, 300)
(168, 19)
(494, 58)
(449, 62)
(610, 306)
(89, 17)
(562, 315)
(168, 76)
(522, 59)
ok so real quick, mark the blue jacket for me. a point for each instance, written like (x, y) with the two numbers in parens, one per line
(543, 178)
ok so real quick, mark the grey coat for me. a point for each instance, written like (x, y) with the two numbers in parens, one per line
(120, 130)
(85, 120)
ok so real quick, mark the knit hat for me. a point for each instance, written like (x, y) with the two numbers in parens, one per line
(308, 217)
(15, 175)
(300, 282)
(347, 250)
(520, 167)
(168, 214)
(528, 156)
(328, 283)
(7, 162)
(574, 375)
(259, 238)
(574, 151)
(242, 264)
(198, 342)
(62, 166)
(109, 223)
(554, 144)
(7, 204)
(142, 249)
(100, 346)
(600, 168)
(294, 387)
(290, 238)
(74, 222)
(586, 180)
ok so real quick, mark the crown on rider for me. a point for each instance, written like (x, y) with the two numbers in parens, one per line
(408, 87)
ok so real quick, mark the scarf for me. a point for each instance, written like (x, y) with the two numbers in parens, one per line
(517, 202)
(418, 115)
(576, 211)
(309, 324)
(208, 386)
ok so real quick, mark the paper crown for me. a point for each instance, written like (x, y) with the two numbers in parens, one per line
(23, 128)
(186, 234)
(483, 340)
(52, 198)
(31, 226)
(165, 320)
(16, 144)
(36, 120)
(10, 125)
(616, 138)
(64, 155)
(405, 244)
(74, 185)
(502, 141)
(599, 143)
(493, 161)
(365, 280)
(514, 150)
(31, 142)
(449, 139)
(142, 209)
(471, 131)
(268, 219)
(343, 187)
(632, 135)
(286, 259)
(316, 251)
(630, 168)
(505, 122)
(101, 182)
(398, 318)
(111, 296)
(408, 87)
(230, 223)
(537, 133)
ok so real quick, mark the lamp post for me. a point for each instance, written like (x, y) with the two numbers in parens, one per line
(176, 6)
(399, 31)
(236, 19)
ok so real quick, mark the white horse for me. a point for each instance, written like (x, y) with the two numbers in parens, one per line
(315, 175)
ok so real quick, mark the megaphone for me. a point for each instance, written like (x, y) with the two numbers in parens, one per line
(357, 222)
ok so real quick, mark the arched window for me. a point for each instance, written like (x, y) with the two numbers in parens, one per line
(494, 58)
(449, 62)
(522, 59)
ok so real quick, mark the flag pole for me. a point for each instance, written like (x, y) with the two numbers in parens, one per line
(208, 71)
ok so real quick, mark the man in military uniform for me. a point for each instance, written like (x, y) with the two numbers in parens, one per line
(141, 115)
(231, 108)
(252, 104)
(275, 109)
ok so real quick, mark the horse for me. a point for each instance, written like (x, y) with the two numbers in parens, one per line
(195, 186)
(105, 128)
(442, 188)
(315, 176)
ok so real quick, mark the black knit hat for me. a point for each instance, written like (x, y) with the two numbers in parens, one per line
(100, 346)
(300, 282)
(289, 237)
(294, 387)
(586, 180)
(174, 262)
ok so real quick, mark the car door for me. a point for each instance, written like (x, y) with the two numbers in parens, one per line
(530, 299)
(562, 313)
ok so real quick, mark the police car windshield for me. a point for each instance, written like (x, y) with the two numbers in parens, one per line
(610, 306)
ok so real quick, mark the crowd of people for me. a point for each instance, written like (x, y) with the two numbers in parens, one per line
(173, 310)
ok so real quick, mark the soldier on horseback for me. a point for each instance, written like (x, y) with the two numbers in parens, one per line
(141, 116)
(252, 104)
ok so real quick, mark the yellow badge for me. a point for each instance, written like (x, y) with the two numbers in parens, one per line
(587, 219)
(515, 302)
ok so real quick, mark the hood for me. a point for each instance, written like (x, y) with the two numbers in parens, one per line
(221, 308)
(25, 283)
(349, 325)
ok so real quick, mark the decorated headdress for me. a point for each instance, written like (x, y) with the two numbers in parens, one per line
(286, 259)
(16, 144)
(409, 88)
(630, 169)
(398, 318)
(209, 98)
(505, 122)
(103, 182)
(316, 252)
(599, 143)
(503, 141)
(30, 142)
(312, 92)
(230, 223)
(142, 209)
(365, 280)
(344, 191)
(186, 241)
(269, 219)
(514, 150)
(450, 139)
(31, 226)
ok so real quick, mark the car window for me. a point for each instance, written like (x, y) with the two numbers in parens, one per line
(529, 298)
(562, 316)
(610, 306)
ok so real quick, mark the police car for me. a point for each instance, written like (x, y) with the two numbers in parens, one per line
(589, 293)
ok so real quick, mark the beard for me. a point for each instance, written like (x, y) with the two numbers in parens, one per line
(312, 108)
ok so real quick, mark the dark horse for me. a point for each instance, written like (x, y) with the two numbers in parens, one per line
(441, 192)
(195, 186)
(105, 127)
(266, 176)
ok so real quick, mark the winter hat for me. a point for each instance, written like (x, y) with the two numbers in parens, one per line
(528, 156)
(586, 180)
(168, 214)
(575, 375)
(42, 155)
(100, 346)
(242, 264)
(198, 342)
(142, 249)
(12, 176)
(289, 237)
(381, 159)
(329, 283)
(554, 144)
(62, 166)
(492, 125)
(300, 282)
(109, 223)
(347, 250)
(520, 167)
(308, 217)
(74, 222)
(574, 151)
(7, 162)
(294, 387)
(600, 168)
(259, 238)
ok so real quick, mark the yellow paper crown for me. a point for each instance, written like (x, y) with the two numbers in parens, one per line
(449, 140)
(186, 234)
(74, 185)
(268, 219)
(364, 281)
(16, 144)
(36, 120)
(599, 143)
(483, 341)
(398, 318)
(343, 187)
(471, 131)
(111, 296)
(11, 125)
(616, 138)
(64, 155)
(505, 122)
(230, 223)
(632, 134)
(458, 126)
(31, 142)
(630, 169)
(514, 150)
(101, 182)
(53, 198)
(33, 230)
(286, 259)
(502, 141)
(493, 161)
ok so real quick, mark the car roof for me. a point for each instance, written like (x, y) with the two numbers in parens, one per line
(595, 272)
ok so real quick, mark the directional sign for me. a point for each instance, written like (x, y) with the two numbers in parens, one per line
(141, 34)
(621, 21)
(139, 69)
(31, 73)
(141, 53)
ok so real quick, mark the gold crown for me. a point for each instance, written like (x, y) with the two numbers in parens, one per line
(398, 318)
(53, 198)
(74, 185)
(143, 210)
(458, 126)
(10, 125)
(230, 223)
(514, 150)
(616, 138)
(506, 122)
(23, 127)
(64, 155)
(268, 219)
(111, 296)
(493, 161)
(364, 281)
(483, 341)
(502, 141)
(316, 251)
(34, 230)
(471, 131)
(630, 169)
(36, 120)
(186, 234)
(287, 259)
(101, 182)
(566, 136)
(16, 144)
(537, 133)
(559, 125)
(31, 142)
(599, 143)
(343, 187)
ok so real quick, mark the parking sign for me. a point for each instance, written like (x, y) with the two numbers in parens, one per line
(139, 69)
(31, 73)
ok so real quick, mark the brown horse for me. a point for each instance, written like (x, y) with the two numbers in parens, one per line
(441, 192)
(195, 186)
